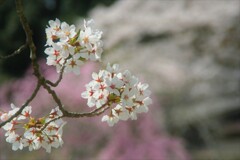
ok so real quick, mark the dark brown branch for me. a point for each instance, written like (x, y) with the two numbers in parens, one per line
(58, 80)
(41, 80)
(16, 52)
(31, 45)
(29, 40)
(67, 113)
(46, 124)
(23, 106)
(54, 95)
(95, 112)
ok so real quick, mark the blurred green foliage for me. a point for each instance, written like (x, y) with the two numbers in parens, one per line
(38, 13)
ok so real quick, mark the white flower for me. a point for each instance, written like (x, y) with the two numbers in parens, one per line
(143, 105)
(100, 76)
(25, 113)
(55, 57)
(142, 90)
(67, 31)
(93, 53)
(132, 113)
(54, 132)
(32, 136)
(55, 25)
(4, 116)
(110, 119)
(29, 142)
(127, 96)
(113, 69)
(128, 79)
(68, 47)
(10, 127)
(30, 133)
(90, 38)
(88, 94)
(16, 140)
(52, 31)
(120, 112)
(73, 65)
(66, 50)
(101, 97)
(13, 111)
(114, 85)
(55, 113)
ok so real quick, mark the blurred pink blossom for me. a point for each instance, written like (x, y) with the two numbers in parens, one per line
(89, 138)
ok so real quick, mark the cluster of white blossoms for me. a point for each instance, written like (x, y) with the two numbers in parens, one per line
(26, 131)
(121, 91)
(69, 48)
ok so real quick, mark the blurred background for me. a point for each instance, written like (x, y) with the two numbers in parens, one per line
(188, 51)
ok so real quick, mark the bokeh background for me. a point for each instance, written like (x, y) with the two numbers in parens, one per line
(187, 50)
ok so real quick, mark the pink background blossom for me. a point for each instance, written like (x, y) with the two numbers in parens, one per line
(89, 138)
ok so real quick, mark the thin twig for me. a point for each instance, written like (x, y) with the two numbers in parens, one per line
(42, 81)
(95, 112)
(23, 106)
(16, 52)
(46, 124)
(67, 113)
(58, 80)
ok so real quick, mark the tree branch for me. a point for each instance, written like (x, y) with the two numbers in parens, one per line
(31, 45)
(42, 80)
(95, 112)
(16, 52)
(58, 80)
(29, 40)
(23, 106)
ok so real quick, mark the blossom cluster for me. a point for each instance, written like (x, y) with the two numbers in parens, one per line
(69, 47)
(26, 131)
(121, 91)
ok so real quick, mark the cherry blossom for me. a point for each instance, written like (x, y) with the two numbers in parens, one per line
(33, 135)
(122, 92)
(118, 93)
(70, 48)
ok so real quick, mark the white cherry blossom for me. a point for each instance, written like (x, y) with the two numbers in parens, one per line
(69, 47)
(110, 119)
(25, 113)
(114, 84)
(16, 140)
(32, 136)
(121, 90)
(120, 112)
(4, 116)
(73, 65)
